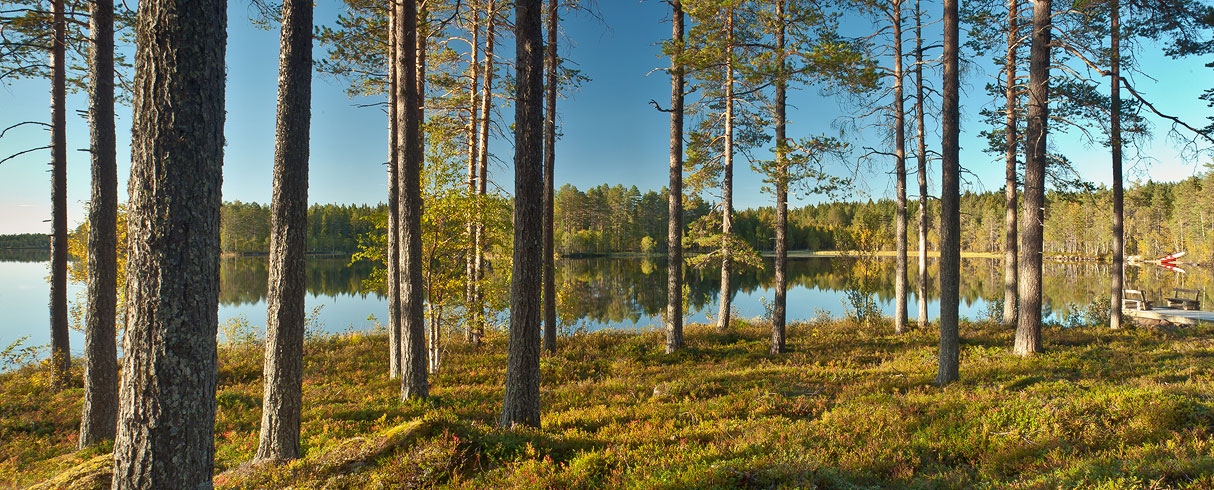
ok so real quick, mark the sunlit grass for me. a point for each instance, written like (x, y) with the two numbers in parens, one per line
(849, 407)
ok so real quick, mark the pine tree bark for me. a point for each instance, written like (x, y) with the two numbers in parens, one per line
(725, 310)
(282, 397)
(922, 167)
(99, 416)
(1118, 273)
(473, 144)
(674, 221)
(394, 316)
(421, 44)
(781, 123)
(414, 366)
(900, 313)
(950, 196)
(1028, 330)
(1010, 273)
(483, 169)
(522, 398)
(167, 409)
(549, 190)
(61, 352)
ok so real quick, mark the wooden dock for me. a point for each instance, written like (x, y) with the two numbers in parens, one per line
(1172, 315)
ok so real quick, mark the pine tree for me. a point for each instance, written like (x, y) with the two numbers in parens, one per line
(521, 404)
(414, 366)
(550, 65)
(950, 195)
(99, 416)
(167, 409)
(282, 397)
(1028, 330)
(674, 224)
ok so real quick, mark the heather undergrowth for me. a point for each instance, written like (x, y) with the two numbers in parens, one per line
(850, 406)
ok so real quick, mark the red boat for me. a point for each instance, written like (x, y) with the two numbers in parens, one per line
(1170, 258)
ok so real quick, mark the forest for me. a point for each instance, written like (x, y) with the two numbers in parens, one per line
(24, 241)
(1161, 218)
(471, 380)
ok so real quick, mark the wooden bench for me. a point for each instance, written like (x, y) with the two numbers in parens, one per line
(1181, 299)
(1133, 299)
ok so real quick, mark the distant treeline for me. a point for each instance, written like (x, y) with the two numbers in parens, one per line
(25, 240)
(613, 219)
(332, 228)
(1160, 218)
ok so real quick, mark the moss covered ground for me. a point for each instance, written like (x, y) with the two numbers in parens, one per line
(848, 407)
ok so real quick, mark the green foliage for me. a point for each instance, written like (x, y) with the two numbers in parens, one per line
(332, 228)
(860, 306)
(606, 219)
(28, 27)
(647, 244)
(18, 355)
(447, 211)
(1098, 312)
(705, 235)
(238, 331)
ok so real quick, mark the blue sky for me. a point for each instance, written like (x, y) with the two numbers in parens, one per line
(610, 133)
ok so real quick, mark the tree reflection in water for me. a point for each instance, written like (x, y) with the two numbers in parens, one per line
(611, 292)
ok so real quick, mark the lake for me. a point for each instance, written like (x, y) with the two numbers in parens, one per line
(609, 293)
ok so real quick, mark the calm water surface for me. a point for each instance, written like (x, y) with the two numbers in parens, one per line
(607, 293)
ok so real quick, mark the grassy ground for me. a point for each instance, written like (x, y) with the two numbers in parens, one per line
(848, 407)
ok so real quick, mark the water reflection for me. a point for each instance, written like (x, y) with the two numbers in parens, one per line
(242, 280)
(606, 292)
(615, 290)
(24, 255)
(620, 292)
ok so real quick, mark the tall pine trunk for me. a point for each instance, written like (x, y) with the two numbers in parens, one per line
(674, 221)
(781, 123)
(950, 196)
(283, 375)
(1118, 273)
(483, 169)
(1028, 330)
(549, 191)
(414, 381)
(921, 157)
(727, 186)
(521, 404)
(900, 313)
(1010, 273)
(61, 353)
(99, 416)
(421, 44)
(473, 144)
(167, 411)
(394, 317)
